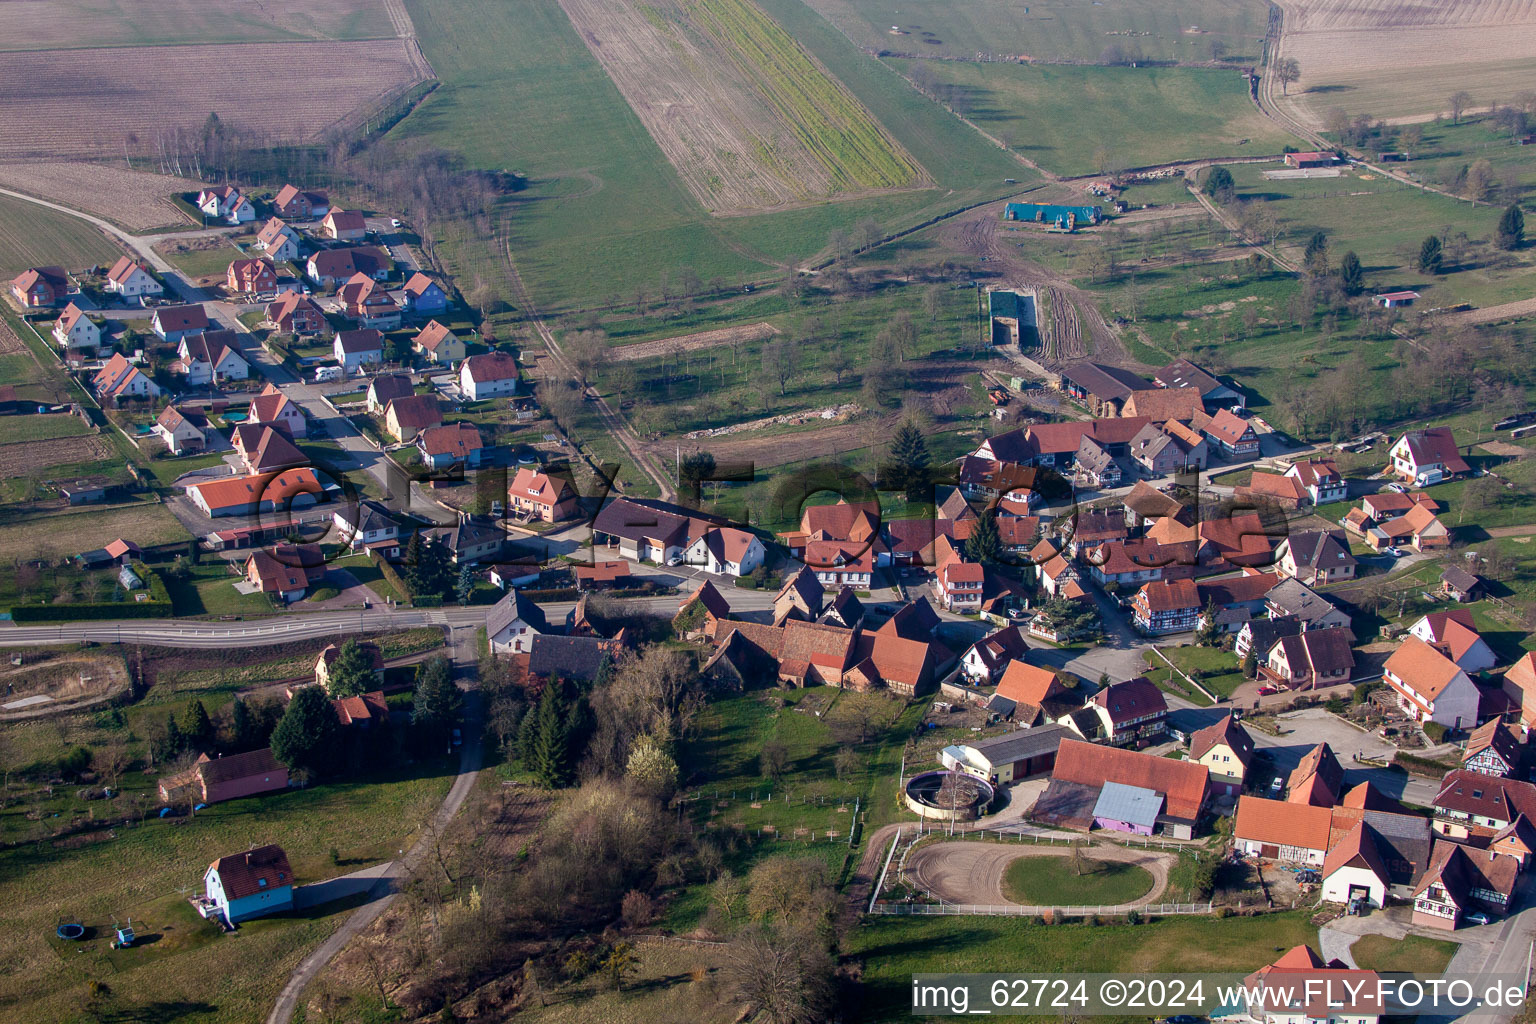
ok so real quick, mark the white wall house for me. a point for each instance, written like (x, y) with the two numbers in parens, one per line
(726, 551)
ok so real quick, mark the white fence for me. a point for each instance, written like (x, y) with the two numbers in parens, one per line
(1010, 910)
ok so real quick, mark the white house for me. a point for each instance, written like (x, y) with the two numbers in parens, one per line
(1425, 457)
(1279, 830)
(279, 241)
(131, 281)
(369, 525)
(227, 204)
(250, 884)
(726, 551)
(210, 356)
(512, 623)
(1355, 870)
(1321, 479)
(1430, 686)
(488, 375)
(356, 349)
(1451, 633)
(75, 331)
(182, 430)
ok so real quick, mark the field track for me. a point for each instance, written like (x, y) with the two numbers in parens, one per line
(693, 342)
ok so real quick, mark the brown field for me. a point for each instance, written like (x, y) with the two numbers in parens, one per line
(63, 676)
(64, 24)
(56, 105)
(135, 200)
(693, 342)
(747, 118)
(68, 533)
(1401, 61)
(20, 459)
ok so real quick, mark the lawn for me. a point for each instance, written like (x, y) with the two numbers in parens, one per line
(33, 236)
(14, 429)
(609, 188)
(366, 572)
(1056, 881)
(70, 532)
(1082, 120)
(1219, 670)
(892, 949)
(1411, 953)
(209, 589)
(200, 262)
(135, 872)
(1153, 29)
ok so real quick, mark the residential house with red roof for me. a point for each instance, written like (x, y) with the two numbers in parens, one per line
(437, 344)
(250, 277)
(330, 267)
(172, 323)
(1519, 684)
(41, 287)
(207, 357)
(1493, 748)
(119, 380)
(182, 430)
(1419, 527)
(264, 448)
(1162, 451)
(296, 314)
(1318, 780)
(285, 571)
(255, 883)
(361, 711)
(840, 564)
(424, 295)
(1474, 806)
(958, 585)
(449, 445)
(277, 240)
(212, 780)
(1431, 687)
(357, 349)
(75, 331)
(1166, 606)
(856, 524)
(488, 375)
(1276, 488)
(369, 303)
(1320, 479)
(1425, 457)
(1226, 750)
(343, 225)
(725, 551)
(298, 204)
(1082, 771)
(275, 409)
(533, 494)
(606, 575)
(1462, 880)
(1453, 635)
(1300, 987)
(1390, 504)
(130, 280)
(988, 658)
(1232, 435)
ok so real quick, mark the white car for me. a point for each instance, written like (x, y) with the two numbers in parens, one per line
(1397, 488)
(675, 560)
(1477, 917)
(394, 222)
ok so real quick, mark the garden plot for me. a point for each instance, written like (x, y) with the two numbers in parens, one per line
(749, 120)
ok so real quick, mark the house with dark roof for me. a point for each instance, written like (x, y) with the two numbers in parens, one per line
(1259, 635)
(1131, 713)
(711, 609)
(255, 883)
(298, 204)
(801, 597)
(172, 323)
(470, 539)
(1463, 880)
(328, 655)
(846, 610)
(1293, 597)
(1181, 373)
(263, 448)
(1474, 806)
(645, 529)
(330, 267)
(513, 622)
(1458, 584)
(1103, 388)
(1316, 557)
(182, 430)
(206, 357)
(1010, 757)
(488, 375)
(1317, 657)
(1493, 748)
(406, 417)
(295, 314)
(572, 658)
(988, 657)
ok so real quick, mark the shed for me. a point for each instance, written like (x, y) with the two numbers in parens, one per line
(1123, 808)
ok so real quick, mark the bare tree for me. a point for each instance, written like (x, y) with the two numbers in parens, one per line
(1459, 101)
(782, 978)
(1287, 70)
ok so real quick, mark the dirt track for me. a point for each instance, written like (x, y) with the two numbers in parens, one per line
(1490, 314)
(693, 342)
(972, 872)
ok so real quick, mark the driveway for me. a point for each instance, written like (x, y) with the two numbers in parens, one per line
(1307, 728)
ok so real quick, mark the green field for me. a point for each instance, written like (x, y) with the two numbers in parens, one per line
(892, 949)
(69, 533)
(200, 262)
(607, 188)
(1055, 881)
(1083, 120)
(1153, 29)
(40, 428)
(33, 236)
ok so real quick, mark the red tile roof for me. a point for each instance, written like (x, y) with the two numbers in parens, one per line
(1182, 783)
(258, 870)
(1277, 823)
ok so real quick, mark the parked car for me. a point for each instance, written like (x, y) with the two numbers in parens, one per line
(1397, 488)
(1477, 917)
(1276, 786)
(394, 222)
(1395, 552)
(1265, 691)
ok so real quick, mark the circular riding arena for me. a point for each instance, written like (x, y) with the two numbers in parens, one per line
(971, 872)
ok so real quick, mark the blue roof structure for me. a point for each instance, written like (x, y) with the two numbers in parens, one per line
(1050, 213)
(1133, 805)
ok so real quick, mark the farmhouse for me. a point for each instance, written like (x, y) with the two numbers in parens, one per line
(172, 323)
(1458, 584)
(1082, 771)
(130, 280)
(702, 612)
(343, 225)
(296, 314)
(1103, 388)
(1462, 880)
(849, 523)
(1395, 300)
(1232, 435)
(438, 344)
(1162, 404)
(406, 417)
(1493, 748)
(41, 287)
(359, 348)
(488, 375)
(1295, 833)
(1166, 606)
(452, 444)
(210, 356)
(385, 388)
(512, 623)
(119, 379)
(605, 575)
(1425, 457)
(273, 408)
(1431, 687)
(264, 492)
(1181, 373)
(76, 332)
(424, 295)
(1016, 755)
(643, 529)
(1520, 685)
(211, 780)
(182, 430)
(250, 884)
(1284, 491)
(1312, 158)
(300, 205)
(807, 653)
(278, 241)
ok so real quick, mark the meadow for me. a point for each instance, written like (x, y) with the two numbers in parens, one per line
(1156, 30)
(67, 533)
(608, 188)
(32, 236)
(1083, 120)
